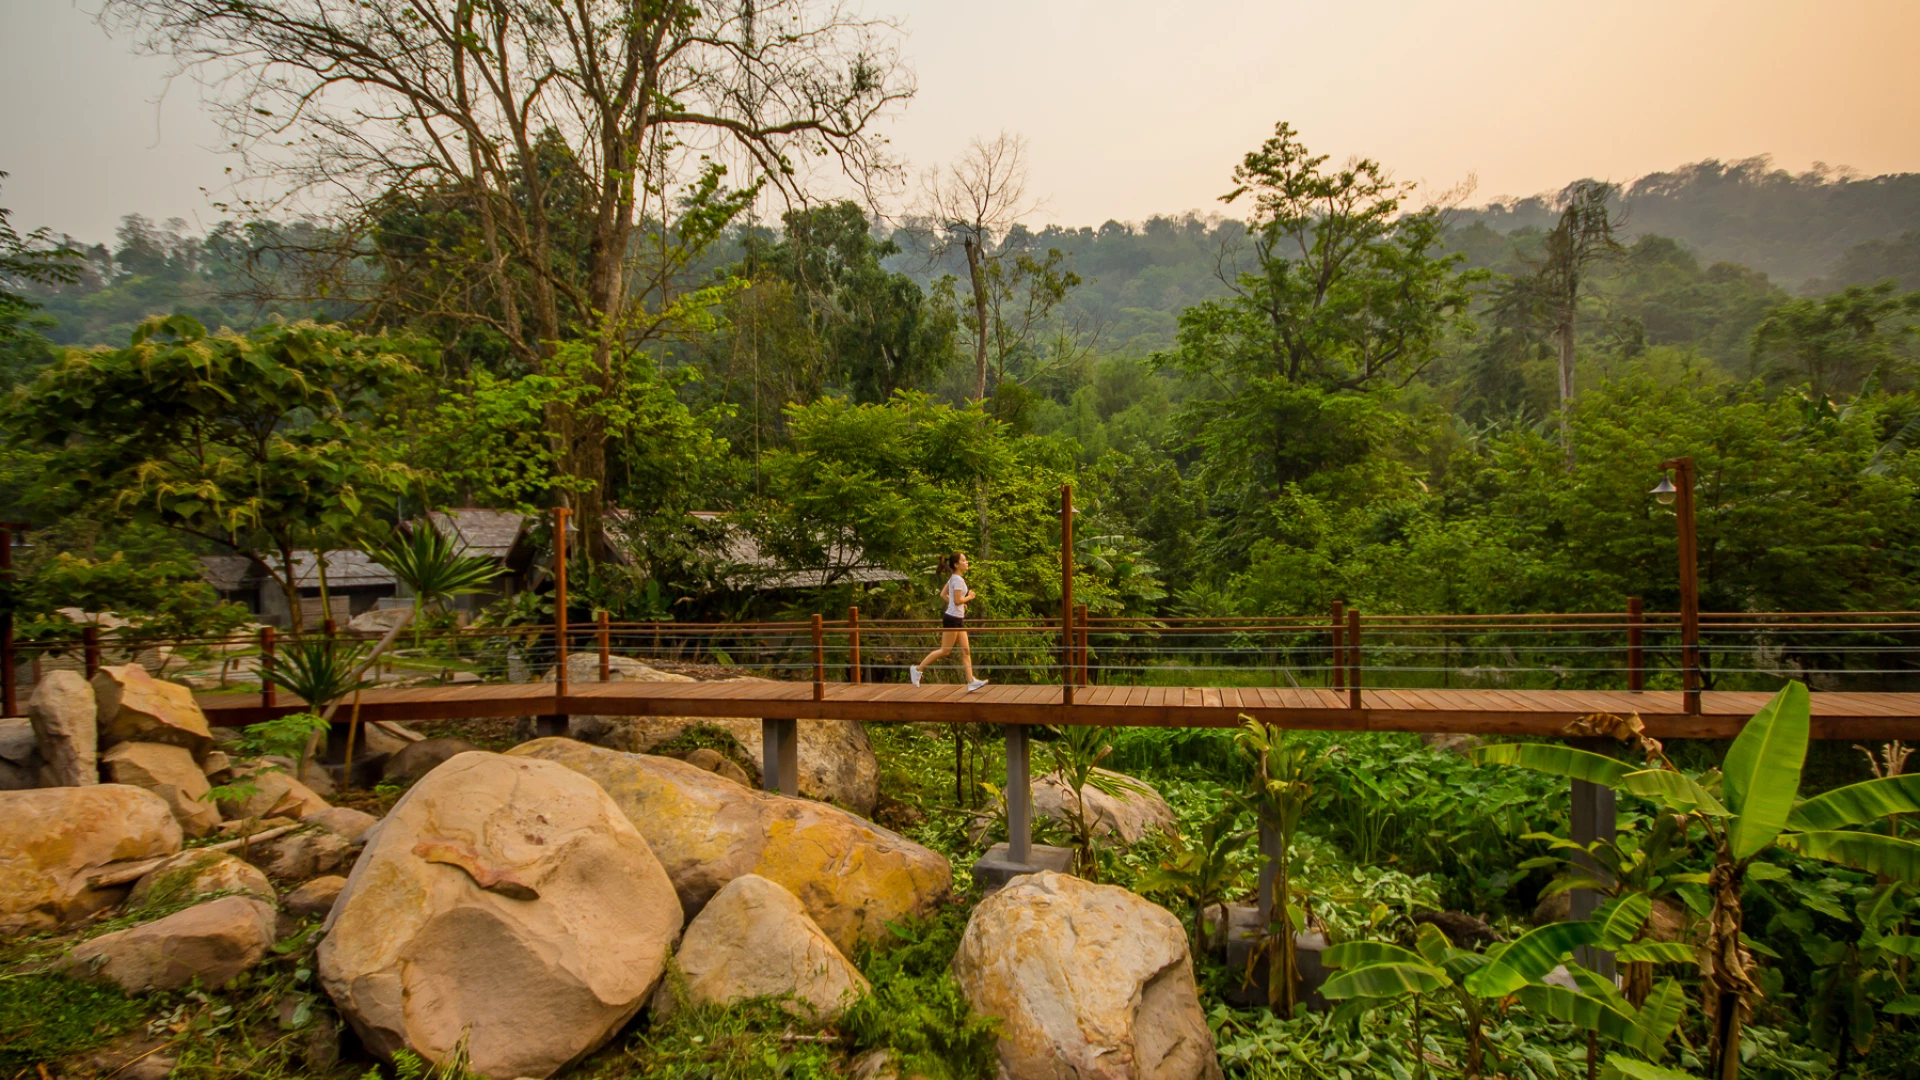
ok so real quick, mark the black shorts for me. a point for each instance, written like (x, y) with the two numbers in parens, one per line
(952, 622)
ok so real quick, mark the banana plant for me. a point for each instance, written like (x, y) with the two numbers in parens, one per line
(1760, 782)
(1076, 751)
(1283, 786)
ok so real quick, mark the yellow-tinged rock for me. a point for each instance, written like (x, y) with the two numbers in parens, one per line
(1089, 981)
(852, 876)
(133, 706)
(504, 904)
(52, 838)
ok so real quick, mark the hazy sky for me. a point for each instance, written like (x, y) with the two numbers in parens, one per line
(1134, 108)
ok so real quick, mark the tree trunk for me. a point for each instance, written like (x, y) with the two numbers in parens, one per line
(1729, 986)
(976, 272)
(1565, 336)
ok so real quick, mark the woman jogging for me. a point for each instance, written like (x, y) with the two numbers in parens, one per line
(953, 621)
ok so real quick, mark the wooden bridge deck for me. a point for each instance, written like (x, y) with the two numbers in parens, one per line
(1859, 716)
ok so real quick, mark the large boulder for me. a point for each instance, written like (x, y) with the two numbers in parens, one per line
(1089, 981)
(51, 839)
(1132, 813)
(199, 873)
(133, 706)
(851, 875)
(343, 821)
(316, 897)
(65, 723)
(837, 763)
(504, 903)
(207, 943)
(753, 939)
(169, 772)
(21, 766)
(300, 855)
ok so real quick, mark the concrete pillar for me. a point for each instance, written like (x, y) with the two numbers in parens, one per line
(780, 756)
(1593, 819)
(1019, 795)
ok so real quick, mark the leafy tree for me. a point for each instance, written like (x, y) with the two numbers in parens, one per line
(32, 259)
(1837, 342)
(425, 560)
(263, 443)
(576, 146)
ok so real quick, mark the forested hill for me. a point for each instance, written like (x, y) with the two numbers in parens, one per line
(1793, 228)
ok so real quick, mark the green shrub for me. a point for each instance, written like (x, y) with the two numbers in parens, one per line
(916, 1009)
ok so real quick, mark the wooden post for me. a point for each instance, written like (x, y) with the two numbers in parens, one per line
(1636, 660)
(267, 687)
(853, 647)
(606, 647)
(560, 514)
(780, 756)
(1066, 594)
(1019, 796)
(90, 649)
(1353, 658)
(1337, 676)
(819, 661)
(9, 692)
(1689, 582)
(327, 628)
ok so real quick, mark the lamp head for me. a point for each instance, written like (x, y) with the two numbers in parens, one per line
(1666, 492)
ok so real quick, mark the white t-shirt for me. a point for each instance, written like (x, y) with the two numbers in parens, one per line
(956, 588)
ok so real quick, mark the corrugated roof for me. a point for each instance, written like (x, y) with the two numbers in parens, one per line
(227, 573)
(346, 569)
(484, 532)
(755, 569)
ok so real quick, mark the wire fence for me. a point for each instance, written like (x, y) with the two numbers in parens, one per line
(1589, 650)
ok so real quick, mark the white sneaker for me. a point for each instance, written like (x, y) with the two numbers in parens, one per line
(914, 674)
(975, 685)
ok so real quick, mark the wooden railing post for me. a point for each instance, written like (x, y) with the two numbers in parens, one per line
(1636, 661)
(1066, 594)
(853, 645)
(819, 661)
(1337, 662)
(268, 691)
(90, 649)
(606, 647)
(1353, 658)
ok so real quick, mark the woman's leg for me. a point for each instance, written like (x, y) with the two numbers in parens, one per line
(966, 655)
(946, 646)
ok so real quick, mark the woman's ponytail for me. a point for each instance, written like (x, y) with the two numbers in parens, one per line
(949, 565)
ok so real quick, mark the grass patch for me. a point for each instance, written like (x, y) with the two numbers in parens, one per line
(45, 1018)
(916, 1009)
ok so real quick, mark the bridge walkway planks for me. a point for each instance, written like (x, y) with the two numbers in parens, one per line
(1857, 716)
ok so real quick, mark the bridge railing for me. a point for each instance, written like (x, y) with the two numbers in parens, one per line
(1342, 650)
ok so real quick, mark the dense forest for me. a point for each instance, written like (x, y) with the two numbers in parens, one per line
(1342, 396)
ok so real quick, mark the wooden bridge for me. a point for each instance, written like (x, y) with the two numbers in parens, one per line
(1544, 713)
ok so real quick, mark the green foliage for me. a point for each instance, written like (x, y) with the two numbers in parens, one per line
(1199, 869)
(1835, 343)
(282, 736)
(44, 1018)
(321, 670)
(916, 1009)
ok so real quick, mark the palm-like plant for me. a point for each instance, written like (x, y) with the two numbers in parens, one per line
(428, 563)
(1077, 751)
(321, 670)
(1760, 782)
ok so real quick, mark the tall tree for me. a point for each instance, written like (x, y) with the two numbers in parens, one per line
(1559, 280)
(1836, 343)
(970, 204)
(32, 259)
(566, 135)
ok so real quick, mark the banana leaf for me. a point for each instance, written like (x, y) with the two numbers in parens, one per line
(1872, 852)
(1658, 1019)
(1657, 952)
(1530, 958)
(1555, 760)
(1353, 954)
(1622, 917)
(1674, 790)
(1857, 804)
(1385, 981)
(1762, 770)
(1620, 1068)
(1580, 1010)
